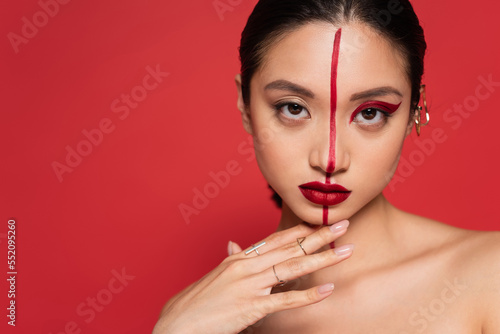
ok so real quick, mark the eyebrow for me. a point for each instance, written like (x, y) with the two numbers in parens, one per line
(289, 86)
(380, 91)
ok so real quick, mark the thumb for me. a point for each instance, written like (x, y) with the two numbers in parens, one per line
(233, 248)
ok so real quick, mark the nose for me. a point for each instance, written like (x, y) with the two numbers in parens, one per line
(319, 157)
(330, 152)
(342, 153)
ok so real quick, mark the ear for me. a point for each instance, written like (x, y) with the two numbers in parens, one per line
(245, 114)
(411, 122)
(409, 126)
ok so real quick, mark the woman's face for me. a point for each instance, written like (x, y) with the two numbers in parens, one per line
(329, 113)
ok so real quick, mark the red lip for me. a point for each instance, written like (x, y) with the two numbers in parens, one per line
(324, 194)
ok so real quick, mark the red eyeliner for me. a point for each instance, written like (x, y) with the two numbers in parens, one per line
(390, 108)
(333, 109)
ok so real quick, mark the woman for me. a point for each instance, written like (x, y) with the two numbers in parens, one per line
(329, 90)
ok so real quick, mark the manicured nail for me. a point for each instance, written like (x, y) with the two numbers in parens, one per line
(344, 250)
(340, 226)
(230, 248)
(325, 288)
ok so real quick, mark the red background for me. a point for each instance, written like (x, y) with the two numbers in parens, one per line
(119, 208)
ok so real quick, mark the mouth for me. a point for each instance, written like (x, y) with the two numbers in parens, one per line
(324, 194)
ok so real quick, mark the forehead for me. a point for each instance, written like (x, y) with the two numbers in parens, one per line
(304, 56)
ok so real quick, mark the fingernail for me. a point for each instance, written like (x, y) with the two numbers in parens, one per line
(230, 248)
(340, 226)
(325, 288)
(344, 250)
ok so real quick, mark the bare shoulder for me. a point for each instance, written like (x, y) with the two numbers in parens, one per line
(482, 266)
(437, 235)
(478, 252)
(472, 256)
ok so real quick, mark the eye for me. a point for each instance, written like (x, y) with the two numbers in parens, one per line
(371, 117)
(369, 114)
(292, 111)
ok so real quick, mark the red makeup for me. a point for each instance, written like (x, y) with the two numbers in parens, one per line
(390, 108)
(328, 194)
(331, 197)
(333, 101)
(324, 194)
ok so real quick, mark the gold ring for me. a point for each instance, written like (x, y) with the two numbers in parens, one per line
(300, 241)
(280, 282)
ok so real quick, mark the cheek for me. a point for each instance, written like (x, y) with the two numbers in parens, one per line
(281, 155)
(269, 157)
(278, 148)
(276, 155)
(377, 162)
(272, 161)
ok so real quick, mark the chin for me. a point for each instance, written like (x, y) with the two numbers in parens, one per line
(305, 213)
(313, 214)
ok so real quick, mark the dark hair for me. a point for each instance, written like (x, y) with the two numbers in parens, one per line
(272, 19)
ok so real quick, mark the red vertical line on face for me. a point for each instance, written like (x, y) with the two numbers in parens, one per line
(325, 207)
(333, 109)
(333, 101)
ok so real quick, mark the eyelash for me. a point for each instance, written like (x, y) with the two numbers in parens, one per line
(379, 107)
(365, 106)
(277, 107)
(385, 114)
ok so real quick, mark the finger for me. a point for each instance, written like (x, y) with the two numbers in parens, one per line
(295, 299)
(233, 248)
(310, 244)
(280, 238)
(299, 266)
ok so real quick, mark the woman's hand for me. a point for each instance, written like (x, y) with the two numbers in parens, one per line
(237, 293)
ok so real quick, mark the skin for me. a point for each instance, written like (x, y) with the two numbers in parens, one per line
(407, 274)
(304, 143)
(391, 246)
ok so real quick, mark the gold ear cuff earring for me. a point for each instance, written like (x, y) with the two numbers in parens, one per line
(418, 118)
